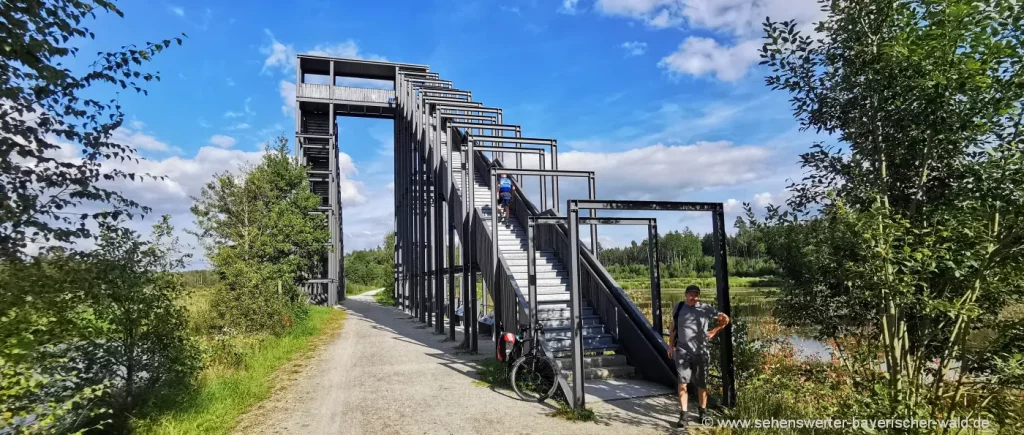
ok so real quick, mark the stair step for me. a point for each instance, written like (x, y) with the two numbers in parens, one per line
(600, 361)
(564, 322)
(620, 372)
(564, 351)
(589, 341)
(554, 282)
(537, 254)
(541, 274)
(543, 264)
(551, 312)
(551, 297)
(518, 265)
(566, 332)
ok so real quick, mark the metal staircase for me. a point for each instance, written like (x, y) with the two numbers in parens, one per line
(441, 151)
(599, 347)
(435, 127)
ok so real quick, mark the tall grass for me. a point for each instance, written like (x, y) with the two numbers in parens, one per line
(355, 288)
(223, 396)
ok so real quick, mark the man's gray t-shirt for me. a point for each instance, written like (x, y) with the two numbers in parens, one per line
(692, 326)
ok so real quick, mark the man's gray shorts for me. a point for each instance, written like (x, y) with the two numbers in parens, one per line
(692, 367)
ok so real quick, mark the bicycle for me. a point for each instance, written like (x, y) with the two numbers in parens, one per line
(533, 375)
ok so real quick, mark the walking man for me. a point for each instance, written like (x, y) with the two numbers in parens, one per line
(688, 346)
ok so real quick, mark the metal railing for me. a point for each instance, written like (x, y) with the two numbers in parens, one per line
(509, 293)
(634, 334)
(632, 331)
(367, 95)
(346, 93)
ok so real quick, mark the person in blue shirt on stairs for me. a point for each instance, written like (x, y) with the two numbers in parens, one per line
(504, 195)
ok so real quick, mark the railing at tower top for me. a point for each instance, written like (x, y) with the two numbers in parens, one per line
(345, 93)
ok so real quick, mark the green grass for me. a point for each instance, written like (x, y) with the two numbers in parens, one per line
(355, 288)
(491, 373)
(385, 297)
(579, 414)
(224, 396)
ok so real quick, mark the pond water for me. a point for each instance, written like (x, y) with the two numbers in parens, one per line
(809, 349)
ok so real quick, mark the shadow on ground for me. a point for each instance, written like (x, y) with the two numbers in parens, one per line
(658, 412)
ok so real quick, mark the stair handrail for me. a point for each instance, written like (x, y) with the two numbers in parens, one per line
(522, 208)
(591, 267)
(503, 266)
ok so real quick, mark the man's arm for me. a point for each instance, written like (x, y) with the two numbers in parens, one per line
(671, 337)
(722, 320)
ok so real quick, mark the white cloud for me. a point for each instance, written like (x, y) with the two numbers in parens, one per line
(279, 56)
(741, 18)
(671, 171)
(634, 48)
(287, 90)
(222, 141)
(699, 56)
(510, 9)
(758, 203)
(671, 124)
(134, 137)
(229, 81)
(239, 126)
(232, 114)
(271, 131)
(568, 7)
(348, 49)
(185, 178)
(177, 10)
(738, 22)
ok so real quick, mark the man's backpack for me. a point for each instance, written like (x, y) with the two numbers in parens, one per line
(675, 311)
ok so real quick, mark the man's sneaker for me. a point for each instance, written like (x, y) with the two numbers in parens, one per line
(701, 413)
(682, 421)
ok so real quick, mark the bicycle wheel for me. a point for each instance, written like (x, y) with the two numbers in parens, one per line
(534, 377)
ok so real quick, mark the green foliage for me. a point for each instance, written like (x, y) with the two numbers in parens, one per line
(686, 254)
(145, 344)
(373, 267)
(224, 395)
(582, 415)
(92, 337)
(261, 238)
(909, 243)
(492, 373)
(194, 279)
(46, 119)
(386, 298)
(355, 288)
(46, 332)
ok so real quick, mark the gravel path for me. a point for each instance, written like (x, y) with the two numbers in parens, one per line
(387, 373)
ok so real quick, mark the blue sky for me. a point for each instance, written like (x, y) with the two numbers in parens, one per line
(663, 98)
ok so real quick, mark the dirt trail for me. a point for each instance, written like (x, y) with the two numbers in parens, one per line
(387, 373)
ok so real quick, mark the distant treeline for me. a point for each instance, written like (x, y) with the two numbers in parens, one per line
(686, 253)
(372, 267)
(199, 278)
